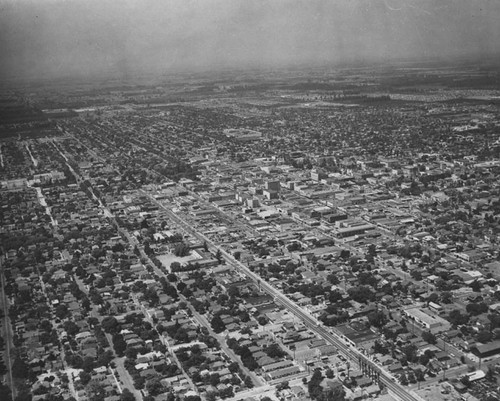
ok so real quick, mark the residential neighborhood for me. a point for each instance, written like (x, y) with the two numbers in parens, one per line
(283, 239)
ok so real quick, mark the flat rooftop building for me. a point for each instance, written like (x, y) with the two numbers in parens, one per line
(427, 319)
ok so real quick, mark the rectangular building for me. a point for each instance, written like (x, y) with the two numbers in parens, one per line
(427, 320)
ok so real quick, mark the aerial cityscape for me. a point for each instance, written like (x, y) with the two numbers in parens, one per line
(321, 231)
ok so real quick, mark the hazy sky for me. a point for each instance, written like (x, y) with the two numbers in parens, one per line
(66, 37)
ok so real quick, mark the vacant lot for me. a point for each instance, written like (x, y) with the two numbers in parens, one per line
(167, 258)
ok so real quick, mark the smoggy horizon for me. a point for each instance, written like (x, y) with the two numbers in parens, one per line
(61, 38)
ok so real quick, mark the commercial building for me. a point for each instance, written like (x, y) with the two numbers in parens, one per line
(427, 320)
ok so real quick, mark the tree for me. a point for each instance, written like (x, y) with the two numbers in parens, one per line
(74, 360)
(85, 377)
(127, 395)
(175, 266)
(4, 392)
(419, 375)
(211, 395)
(491, 375)
(61, 311)
(377, 318)
(366, 278)
(214, 379)
(3, 368)
(434, 297)
(283, 385)
(274, 351)
(172, 277)
(403, 380)
(105, 358)
(171, 292)
(333, 279)
(71, 328)
(88, 364)
(95, 391)
(147, 249)
(23, 394)
(416, 274)
(314, 386)
(361, 294)
(217, 324)
(119, 344)
(181, 250)
(429, 337)
(334, 394)
(494, 321)
(345, 254)
(234, 367)
(20, 369)
(476, 286)
(378, 348)
(181, 285)
(476, 308)
(465, 380)
(233, 291)
(484, 336)
(446, 297)
(154, 386)
(456, 318)
(139, 382)
(248, 382)
(372, 250)
(423, 359)
(110, 324)
(410, 351)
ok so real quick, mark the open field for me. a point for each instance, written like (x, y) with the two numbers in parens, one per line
(168, 258)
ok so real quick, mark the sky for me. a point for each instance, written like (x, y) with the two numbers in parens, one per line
(61, 38)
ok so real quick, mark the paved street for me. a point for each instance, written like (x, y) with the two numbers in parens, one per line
(310, 321)
(257, 381)
(7, 334)
(125, 378)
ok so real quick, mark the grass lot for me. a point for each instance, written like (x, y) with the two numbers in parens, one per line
(434, 393)
(167, 258)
